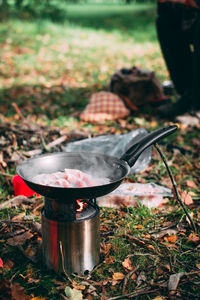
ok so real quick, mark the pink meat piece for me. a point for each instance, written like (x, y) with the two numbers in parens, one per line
(69, 178)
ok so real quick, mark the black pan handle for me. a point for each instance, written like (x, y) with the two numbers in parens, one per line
(132, 154)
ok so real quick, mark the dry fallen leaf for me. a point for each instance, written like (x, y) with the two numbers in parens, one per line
(159, 298)
(170, 245)
(73, 294)
(19, 217)
(165, 232)
(167, 266)
(108, 247)
(78, 286)
(91, 290)
(187, 199)
(114, 282)
(9, 264)
(174, 281)
(109, 260)
(2, 162)
(191, 215)
(127, 264)
(193, 237)
(18, 292)
(151, 247)
(141, 278)
(146, 236)
(133, 276)
(192, 194)
(198, 266)
(30, 251)
(20, 239)
(196, 142)
(159, 271)
(139, 226)
(118, 276)
(191, 184)
(171, 238)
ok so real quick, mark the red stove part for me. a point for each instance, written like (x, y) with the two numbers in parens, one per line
(20, 187)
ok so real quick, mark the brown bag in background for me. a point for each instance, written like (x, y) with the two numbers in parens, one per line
(136, 86)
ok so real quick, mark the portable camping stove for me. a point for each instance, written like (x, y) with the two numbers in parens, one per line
(71, 238)
(71, 231)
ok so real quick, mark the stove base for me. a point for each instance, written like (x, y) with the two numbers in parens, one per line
(72, 247)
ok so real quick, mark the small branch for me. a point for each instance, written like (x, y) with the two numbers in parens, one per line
(135, 294)
(6, 174)
(127, 278)
(56, 142)
(63, 263)
(18, 222)
(178, 197)
(16, 201)
(32, 152)
(18, 111)
(85, 279)
(46, 148)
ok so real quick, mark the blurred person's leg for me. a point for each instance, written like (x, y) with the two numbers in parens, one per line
(196, 66)
(174, 45)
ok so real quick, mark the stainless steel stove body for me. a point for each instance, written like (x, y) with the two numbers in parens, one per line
(71, 237)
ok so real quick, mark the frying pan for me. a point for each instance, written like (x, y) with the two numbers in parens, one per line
(100, 166)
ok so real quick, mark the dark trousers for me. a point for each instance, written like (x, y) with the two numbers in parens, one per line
(178, 29)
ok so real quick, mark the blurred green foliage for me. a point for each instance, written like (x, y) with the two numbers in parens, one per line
(29, 9)
(55, 10)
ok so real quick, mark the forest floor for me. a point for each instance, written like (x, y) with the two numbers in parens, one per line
(48, 73)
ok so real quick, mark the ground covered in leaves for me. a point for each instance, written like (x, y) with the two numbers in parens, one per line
(46, 80)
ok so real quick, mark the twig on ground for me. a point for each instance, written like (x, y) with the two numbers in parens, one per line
(7, 235)
(45, 146)
(85, 279)
(37, 227)
(135, 294)
(38, 207)
(175, 187)
(6, 174)
(16, 222)
(32, 152)
(16, 201)
(58, 141)
(16, 107)
(127, 277)
(18, 111)
(141, 254)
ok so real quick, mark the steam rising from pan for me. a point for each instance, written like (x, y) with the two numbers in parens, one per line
(98, 166)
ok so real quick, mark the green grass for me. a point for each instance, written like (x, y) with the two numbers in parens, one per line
(135, 20)
(47, 64)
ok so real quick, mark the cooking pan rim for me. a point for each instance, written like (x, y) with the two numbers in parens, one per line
(42, 156)
(73, 154)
